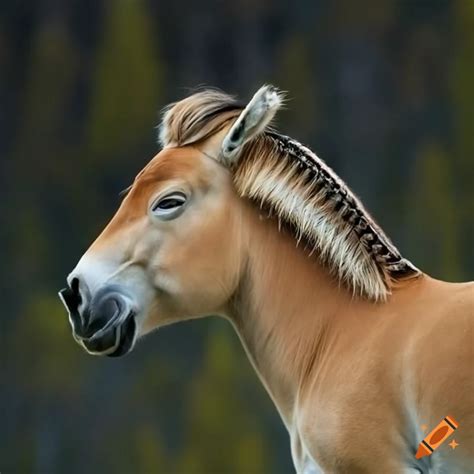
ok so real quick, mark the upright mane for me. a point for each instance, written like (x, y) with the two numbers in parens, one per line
(293, 184)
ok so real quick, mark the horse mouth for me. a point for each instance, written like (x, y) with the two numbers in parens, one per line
(115, 342)
(107, 325)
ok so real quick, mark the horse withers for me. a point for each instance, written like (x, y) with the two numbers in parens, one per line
(357, 348)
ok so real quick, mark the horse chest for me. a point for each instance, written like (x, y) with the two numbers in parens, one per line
(342, 439)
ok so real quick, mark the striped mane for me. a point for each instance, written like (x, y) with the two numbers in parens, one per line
(301, 191)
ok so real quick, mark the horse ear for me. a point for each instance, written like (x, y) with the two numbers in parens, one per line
(252, 121)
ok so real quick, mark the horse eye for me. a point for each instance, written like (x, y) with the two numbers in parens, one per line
(169, 205)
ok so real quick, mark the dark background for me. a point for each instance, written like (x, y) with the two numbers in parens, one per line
(380, 89)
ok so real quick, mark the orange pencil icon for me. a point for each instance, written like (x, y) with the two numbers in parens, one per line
(437, 437)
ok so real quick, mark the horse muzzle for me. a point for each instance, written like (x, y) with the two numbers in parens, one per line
(106, 324)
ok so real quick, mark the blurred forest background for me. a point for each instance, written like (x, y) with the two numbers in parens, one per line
(383, 90)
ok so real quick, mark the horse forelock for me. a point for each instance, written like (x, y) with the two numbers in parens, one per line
(197, 117)
(301, 191)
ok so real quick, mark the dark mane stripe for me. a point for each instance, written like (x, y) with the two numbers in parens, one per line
(348, 207)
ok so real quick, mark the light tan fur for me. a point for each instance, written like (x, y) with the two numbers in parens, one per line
(353, 378)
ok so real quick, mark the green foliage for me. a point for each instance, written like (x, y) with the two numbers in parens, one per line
(51, 73)
(149, 454)
(128, 81)
(463, 80)
(373, 15)
(433, 216)
(223, 433)
(42, 337)
(463, 95)
(302, 113)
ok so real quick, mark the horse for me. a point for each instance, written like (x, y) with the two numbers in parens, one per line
(359, 350)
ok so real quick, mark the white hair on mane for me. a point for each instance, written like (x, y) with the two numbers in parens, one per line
(293, 184)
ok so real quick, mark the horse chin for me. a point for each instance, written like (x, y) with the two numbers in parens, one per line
(116, 342)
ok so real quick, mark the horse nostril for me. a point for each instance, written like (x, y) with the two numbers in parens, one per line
(72, 296)
(72, 299)
(75, 290)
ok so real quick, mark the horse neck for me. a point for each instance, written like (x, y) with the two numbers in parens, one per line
(286, 311)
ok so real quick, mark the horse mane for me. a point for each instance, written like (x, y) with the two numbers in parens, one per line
(293, 184)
